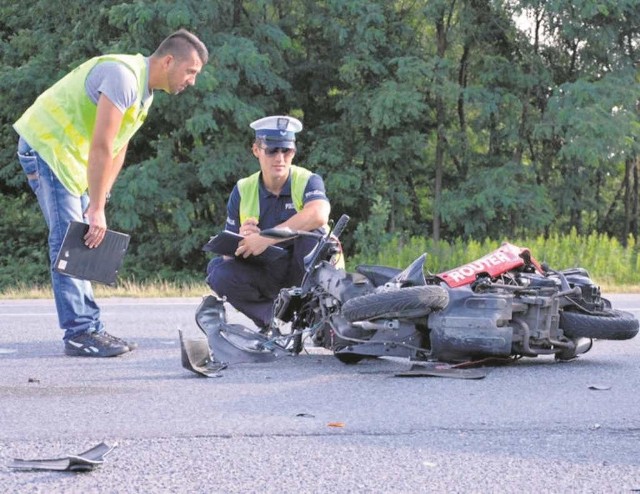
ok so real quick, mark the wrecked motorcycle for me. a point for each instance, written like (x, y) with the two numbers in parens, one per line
(503, 305)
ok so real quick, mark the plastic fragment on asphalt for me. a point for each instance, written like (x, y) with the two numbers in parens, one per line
(431, 371)
(600, 387)
(335, 424)
(82, 462)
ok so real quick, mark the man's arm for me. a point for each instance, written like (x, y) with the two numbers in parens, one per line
(316, 208)
(313, 215)
(118, 161)
(102, 168)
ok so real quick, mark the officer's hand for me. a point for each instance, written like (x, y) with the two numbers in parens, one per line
(252, 245)
(249, 227)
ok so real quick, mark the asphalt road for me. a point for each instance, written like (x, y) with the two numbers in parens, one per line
(307, 424)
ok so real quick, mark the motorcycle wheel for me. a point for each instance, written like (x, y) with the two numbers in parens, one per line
(610, 324)
(414, 301)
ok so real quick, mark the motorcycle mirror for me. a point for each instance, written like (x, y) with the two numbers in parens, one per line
(285, 232)
(412, 275)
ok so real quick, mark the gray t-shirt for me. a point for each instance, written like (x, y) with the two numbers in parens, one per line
(116, 81)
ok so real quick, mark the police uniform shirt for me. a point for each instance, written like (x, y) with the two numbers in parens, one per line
(274, 210)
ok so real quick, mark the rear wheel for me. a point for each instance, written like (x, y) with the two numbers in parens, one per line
(415, 301)
(610, 324)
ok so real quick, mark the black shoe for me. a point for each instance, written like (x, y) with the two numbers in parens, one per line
(131, 344)
(94, 345)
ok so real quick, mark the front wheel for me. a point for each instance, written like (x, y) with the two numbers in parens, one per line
(610, 324)
(410, 302)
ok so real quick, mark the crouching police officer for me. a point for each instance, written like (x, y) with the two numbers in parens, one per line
(279, 195)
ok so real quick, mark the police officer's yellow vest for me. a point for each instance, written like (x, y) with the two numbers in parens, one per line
(249, 189)
(59, 125)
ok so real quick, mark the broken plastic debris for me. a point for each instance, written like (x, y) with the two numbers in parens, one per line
(600, 387)
(82, 462)
(440, 371)
(196, 357)
(335, 424)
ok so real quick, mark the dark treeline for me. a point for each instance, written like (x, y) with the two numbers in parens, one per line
(465, 119)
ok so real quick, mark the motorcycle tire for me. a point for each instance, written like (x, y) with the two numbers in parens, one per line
(410, 302)
(610, 324)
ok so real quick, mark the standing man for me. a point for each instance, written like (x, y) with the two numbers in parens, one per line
(279, 195)
(72, 145)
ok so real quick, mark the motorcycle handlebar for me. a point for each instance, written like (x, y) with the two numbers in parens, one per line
(340, 225)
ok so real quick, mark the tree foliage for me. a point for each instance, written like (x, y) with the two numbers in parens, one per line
(441, 118)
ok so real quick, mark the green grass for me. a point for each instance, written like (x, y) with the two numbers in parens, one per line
(613, 266)
(124, 289)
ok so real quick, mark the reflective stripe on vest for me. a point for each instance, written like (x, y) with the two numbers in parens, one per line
(249, 189)
(59, 125)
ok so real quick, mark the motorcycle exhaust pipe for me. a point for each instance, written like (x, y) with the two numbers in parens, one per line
(573, 348)
(583, 345)
(579, 345)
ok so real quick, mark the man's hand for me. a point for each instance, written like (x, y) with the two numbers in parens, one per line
(249, 226)
(253, 245)
(97, 227)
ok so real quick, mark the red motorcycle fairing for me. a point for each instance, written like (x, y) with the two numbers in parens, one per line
(503, 259)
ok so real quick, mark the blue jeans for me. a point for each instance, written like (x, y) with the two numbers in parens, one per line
(75, 304)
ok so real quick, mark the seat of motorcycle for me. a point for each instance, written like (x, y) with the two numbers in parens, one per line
(378, 275)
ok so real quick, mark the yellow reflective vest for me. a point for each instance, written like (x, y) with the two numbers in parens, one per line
(59, 125)
(249, 189)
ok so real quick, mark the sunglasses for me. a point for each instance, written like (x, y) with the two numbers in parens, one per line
(272, 151)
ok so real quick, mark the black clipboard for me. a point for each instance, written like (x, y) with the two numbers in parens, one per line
(225, 243)
(100, 264)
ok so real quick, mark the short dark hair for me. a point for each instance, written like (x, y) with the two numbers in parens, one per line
(181, 44)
